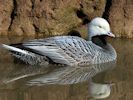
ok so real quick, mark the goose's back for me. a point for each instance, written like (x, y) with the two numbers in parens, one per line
(68, 50)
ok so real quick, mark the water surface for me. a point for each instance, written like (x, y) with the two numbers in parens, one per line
(14, 77)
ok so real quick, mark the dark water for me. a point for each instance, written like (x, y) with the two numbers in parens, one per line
(14, 77)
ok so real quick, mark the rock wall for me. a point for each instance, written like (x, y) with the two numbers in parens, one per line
(46, 17)
(57, 17)
(121, 18)
(6, 7)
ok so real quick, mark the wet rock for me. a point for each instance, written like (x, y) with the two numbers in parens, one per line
(121, 18)
(59, 17)
(47, 17)
(6, 7)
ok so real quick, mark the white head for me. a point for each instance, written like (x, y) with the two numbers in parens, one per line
(99, 26)
(99, 91)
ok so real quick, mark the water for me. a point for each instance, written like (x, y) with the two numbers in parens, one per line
(15, 78)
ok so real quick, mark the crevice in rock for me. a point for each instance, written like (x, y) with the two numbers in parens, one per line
(36, 28)
(94, 7)
(33, 5)
(80, 14)
(74, 33)
(13, 14)
(107, 9)
(81, 6)
(85, 21)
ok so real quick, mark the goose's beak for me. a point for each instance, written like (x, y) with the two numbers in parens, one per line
(110, 34)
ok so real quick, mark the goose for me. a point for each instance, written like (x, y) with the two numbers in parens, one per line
(68, 50)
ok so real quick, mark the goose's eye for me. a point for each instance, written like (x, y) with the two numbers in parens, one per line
(100, 94)
(100, 26)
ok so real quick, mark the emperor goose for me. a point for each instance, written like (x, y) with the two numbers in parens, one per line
(69, 50)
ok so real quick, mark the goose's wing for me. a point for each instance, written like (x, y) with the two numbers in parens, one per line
(63, 49)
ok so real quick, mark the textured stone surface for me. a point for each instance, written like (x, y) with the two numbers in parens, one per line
(6, 7)
(57, 17)
(47, 17)
(121, 18)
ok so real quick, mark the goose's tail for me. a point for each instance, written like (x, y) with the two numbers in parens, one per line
(26, 56)
(14, 49)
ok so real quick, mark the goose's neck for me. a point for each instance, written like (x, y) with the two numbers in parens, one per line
(99, 40)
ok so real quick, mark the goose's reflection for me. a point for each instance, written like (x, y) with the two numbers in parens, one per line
(63, 75)
(13, 72)
(72, 75)
(99, 90)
